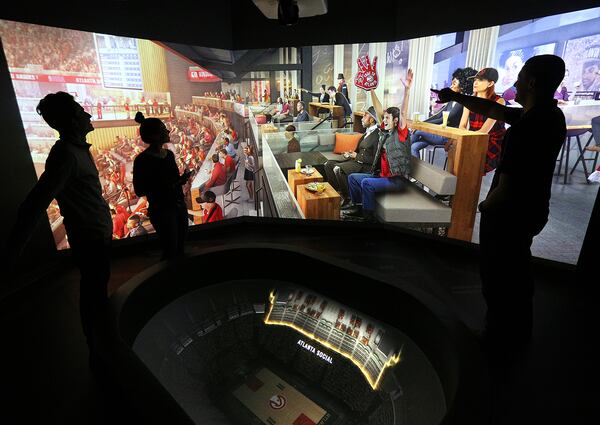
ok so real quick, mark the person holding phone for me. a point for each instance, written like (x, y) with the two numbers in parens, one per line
(156, 176)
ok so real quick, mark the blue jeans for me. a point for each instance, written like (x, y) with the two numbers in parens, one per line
(363, 188)
(420, 139)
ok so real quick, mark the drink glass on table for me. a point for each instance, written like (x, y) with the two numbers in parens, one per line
(416, 116)
(445, 115)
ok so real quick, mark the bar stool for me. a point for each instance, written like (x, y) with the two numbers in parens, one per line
(583, 159)
(572, 131)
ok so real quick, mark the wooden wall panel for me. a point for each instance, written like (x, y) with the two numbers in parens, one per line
(154, 66)
(104, 138)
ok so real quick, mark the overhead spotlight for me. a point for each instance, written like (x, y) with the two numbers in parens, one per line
(288, 12)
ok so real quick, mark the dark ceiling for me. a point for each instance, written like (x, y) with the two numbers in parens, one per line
(238, 24)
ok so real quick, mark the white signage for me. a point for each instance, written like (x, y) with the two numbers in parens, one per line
(318, 353)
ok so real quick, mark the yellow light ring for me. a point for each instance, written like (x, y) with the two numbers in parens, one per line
(374, 383)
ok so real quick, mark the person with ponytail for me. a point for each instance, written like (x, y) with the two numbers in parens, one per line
(156, 176)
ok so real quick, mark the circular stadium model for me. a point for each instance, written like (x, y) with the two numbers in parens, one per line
(260, 350)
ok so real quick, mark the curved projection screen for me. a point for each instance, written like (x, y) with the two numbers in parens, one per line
(113, 77)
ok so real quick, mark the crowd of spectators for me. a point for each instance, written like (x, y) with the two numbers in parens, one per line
(188, 140)
(227, 95)
(55, 49)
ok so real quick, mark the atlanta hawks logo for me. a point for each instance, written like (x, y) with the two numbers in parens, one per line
(277, 402)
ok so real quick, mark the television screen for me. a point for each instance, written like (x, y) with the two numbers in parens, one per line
(274, 143)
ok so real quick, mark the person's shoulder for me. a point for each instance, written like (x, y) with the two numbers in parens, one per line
(61, 150)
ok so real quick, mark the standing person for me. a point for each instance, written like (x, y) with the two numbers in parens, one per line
(358, 161)
(71, 177)
(343, 87)
(483, 86)
(322, 95)
(156, 176)
(517, 205)
(99, 109)
(391, 166)
(249, 168)
(340, 100)
(127, 109)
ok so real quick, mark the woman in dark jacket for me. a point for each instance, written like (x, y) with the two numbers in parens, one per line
(156, 176)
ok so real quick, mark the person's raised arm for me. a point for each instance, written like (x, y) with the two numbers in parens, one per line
(58, 170)
(486, 107)
(377, 105)
(404, 110)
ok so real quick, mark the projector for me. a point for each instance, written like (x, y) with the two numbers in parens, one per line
(287, 12)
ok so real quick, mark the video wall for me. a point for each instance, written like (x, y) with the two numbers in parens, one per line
(113, 77)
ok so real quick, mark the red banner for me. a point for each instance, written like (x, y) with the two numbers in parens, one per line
(51, 78)
(200, 75)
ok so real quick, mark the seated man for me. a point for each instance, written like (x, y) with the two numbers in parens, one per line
(461, 83)
(218, 176)
(302, 114)
(134, 224)
(229, 147)
(293, 143)
(210, 211)
(391, 166)
(359, 161)
(227, 161)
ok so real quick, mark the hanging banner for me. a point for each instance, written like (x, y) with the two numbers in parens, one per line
(200, 75)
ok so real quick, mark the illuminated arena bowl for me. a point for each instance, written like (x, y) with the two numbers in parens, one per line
(288, 338)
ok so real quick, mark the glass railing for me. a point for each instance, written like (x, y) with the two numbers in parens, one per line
(285, 203)
(275, 150)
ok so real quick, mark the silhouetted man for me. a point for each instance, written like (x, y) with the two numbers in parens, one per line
(71, 177)
(517, 206)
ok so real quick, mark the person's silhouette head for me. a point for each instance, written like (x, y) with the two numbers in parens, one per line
(539, 78)
(64, 114)
(152, 130)
(215, 158)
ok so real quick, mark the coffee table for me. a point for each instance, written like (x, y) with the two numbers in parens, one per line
(319, 206)
(295, 179)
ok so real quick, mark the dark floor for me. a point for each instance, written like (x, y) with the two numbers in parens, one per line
(44, 371)
(570, 209)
